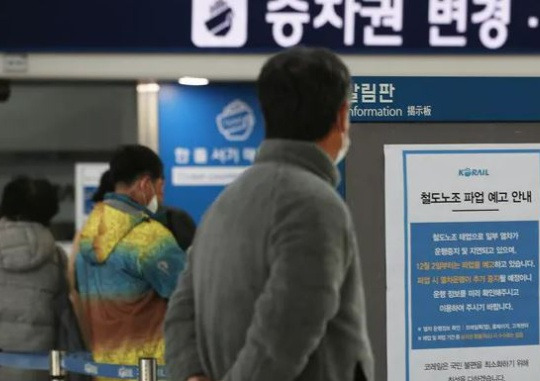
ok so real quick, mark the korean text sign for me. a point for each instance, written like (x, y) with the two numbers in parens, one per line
(441, 99)
(207, 137)
(350, 26)
(462, 262)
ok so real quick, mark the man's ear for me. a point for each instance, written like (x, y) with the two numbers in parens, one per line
(343, 115)
(142, 182)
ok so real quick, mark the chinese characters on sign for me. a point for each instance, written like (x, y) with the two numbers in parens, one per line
(372, 99)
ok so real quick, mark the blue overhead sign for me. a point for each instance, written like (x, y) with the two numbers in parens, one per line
(348, 26)
(444, 99)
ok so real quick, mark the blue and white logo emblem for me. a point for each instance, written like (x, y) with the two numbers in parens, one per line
(124, 372)
(221, 18)
(236, 122)
(90, 368)
(219, 23)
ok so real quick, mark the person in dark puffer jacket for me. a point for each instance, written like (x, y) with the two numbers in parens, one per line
(29, 272)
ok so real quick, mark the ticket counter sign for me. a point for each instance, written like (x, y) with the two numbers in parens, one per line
(242, 26)
(462, 262)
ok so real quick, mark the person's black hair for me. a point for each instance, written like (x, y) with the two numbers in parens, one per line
(31, 200)
(133, 161)
(106, 185)
(301, 91)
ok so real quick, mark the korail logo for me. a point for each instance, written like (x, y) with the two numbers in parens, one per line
(163, 266)
(124, 372)
(473, 172)
(219, 23)
(90, 369)
(236, 122)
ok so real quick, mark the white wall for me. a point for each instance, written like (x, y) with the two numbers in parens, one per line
(246, 67)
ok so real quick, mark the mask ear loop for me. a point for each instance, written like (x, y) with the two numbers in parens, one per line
(134, 190)
(144, 195)
(153, 189)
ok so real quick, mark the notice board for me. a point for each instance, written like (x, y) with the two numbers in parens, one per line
(366, 197)
(418, 329)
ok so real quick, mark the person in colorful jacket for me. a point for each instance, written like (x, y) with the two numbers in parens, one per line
(127, 263)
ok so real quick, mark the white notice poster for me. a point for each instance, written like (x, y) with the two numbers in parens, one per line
(462, 252)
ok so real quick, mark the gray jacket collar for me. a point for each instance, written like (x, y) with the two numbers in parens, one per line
(24, 246)
(303, 154)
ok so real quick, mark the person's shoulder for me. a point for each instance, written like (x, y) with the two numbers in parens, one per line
(307, 186)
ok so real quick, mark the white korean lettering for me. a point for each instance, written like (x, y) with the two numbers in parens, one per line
(200, 155)
(354, 93)
(494, 19)
(386, 93)
(446, 13)
(182, 155)
(328, 14)
(249, 154)
(352, 8)
(294, 19)
(386, 14)
(369, 93)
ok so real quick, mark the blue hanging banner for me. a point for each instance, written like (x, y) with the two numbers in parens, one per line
(445, 99)
(238, 26)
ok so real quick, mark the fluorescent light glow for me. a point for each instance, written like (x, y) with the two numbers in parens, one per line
(193, 81)
(148, 88)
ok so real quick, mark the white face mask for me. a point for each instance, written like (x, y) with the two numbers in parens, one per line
(344, 149)
(153, 205)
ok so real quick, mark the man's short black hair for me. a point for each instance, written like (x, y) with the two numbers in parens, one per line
(130, 162)
(31, 200)
(301, 91)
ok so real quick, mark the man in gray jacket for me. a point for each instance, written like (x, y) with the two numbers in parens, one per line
(273, 290)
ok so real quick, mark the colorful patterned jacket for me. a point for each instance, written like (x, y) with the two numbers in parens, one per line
(126, 269)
